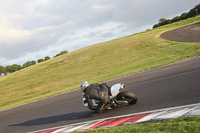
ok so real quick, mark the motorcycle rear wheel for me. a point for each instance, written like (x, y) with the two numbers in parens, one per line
(128, 96)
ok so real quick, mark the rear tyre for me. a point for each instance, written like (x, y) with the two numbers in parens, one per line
(128, 96)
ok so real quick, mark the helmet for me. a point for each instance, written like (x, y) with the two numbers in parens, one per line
(84, 84)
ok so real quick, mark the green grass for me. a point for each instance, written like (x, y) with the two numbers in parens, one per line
(95, 63)
(188, 124)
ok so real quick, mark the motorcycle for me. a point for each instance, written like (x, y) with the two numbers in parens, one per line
(116, 99)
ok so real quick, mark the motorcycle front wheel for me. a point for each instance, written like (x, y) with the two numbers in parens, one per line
(127, 96)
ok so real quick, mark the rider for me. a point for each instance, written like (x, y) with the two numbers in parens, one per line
(96, 91)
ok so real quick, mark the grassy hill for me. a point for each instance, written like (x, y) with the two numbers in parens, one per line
(95, 63)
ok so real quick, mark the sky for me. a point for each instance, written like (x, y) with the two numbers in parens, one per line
(33, 29)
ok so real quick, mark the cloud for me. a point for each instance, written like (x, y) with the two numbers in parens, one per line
(38, 27)
(19, 41)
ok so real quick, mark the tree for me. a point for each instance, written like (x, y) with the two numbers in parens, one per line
(183, 16)
(175, 19)
(61, 53)
(29, 63)
(162, 21)
(47, 58)
(7, 69)
(1, 70)
(155, 26)
(40, 60)
(197, 9)
(4, 71)
(24, 65)
(14, 68)
(192, 13)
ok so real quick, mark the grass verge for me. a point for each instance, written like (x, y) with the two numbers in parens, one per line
(187, 124)
(95, 63)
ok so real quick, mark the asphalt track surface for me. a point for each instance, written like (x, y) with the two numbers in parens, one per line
(190, 33)
(168, 86)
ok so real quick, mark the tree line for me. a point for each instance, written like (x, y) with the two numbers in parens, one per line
(192, 13)
(15, 67)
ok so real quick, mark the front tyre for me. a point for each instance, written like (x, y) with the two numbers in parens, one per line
(127, 96)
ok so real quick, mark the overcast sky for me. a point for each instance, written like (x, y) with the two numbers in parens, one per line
(33, 29)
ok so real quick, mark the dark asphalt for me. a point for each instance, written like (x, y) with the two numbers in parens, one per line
(169, 86)
(189, 33)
